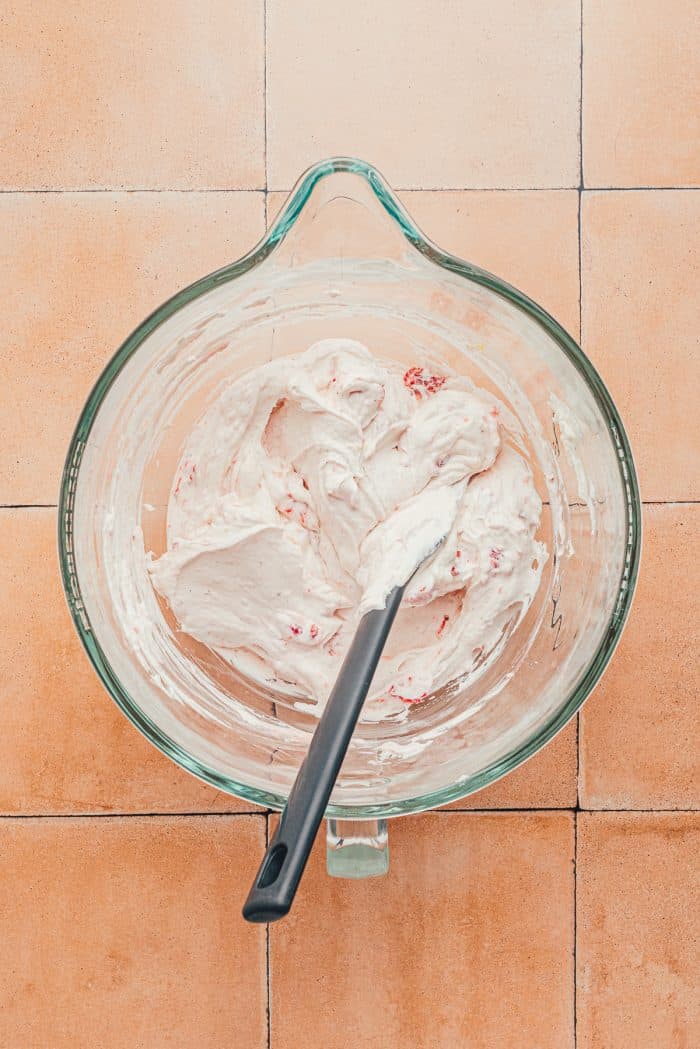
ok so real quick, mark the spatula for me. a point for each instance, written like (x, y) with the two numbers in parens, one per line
(275, 886)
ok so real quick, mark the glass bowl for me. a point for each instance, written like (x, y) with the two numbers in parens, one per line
(344, 259)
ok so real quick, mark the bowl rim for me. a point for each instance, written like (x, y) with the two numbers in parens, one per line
(277, 232)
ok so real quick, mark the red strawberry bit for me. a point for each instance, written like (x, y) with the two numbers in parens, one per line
(413, 699)
(434, 383)
(418, 382)
(405, 699)
(313, 630)
(495, 555)
(186, 474)
(295, 629)
(495, 411)
(443, 624)
(458, 554)
(453, 570)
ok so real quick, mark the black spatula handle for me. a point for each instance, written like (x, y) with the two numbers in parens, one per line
(283, 865)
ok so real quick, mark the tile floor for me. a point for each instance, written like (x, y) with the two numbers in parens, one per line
(556, 142)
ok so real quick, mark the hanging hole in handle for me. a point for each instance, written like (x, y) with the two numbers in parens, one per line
(272, 866)
(342, 218)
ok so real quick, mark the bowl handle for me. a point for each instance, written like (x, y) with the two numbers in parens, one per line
(357, 848)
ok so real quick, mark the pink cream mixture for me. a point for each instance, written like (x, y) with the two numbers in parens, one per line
(311, 487)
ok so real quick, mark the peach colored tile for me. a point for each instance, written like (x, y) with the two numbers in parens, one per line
(165, 95)
(641, 257)
(65, 746)
(639, 731)
(450, 99)
(528, 238)
(637, 944)
(468, 941)
(641, 93)
(79, 272)
(126, 934)
(547, 780)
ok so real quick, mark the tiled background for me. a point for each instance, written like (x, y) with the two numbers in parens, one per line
(144, 144)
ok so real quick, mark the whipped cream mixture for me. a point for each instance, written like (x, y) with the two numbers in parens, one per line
(313, 485)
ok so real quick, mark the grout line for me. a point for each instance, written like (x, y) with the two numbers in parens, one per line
(575, 1000)
(460, 189)
(484, 189)
(396, 189)
(574, 810)
(536, 808)
(651, 811)
(642, 189)
(580, 105)
(578, 760)
(265, 106)
(580, 271)
(124, 815)
(132, 189)
(657, 811)
(267, 950)
(514, 189)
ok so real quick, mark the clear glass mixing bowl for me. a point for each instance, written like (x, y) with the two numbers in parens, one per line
(344, 259)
